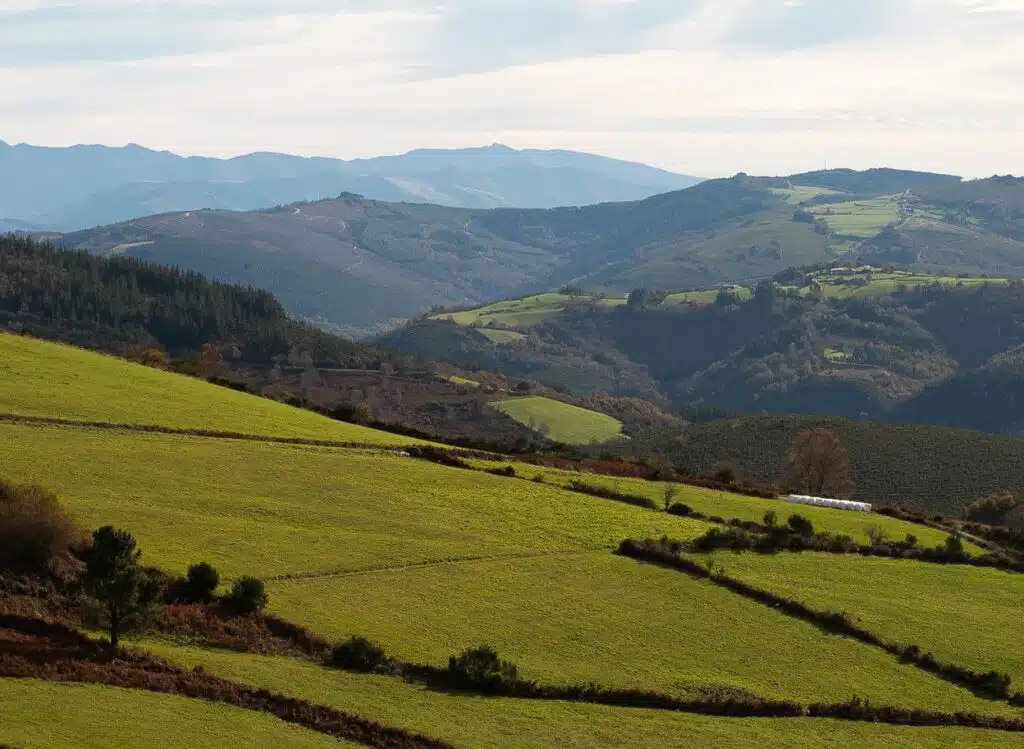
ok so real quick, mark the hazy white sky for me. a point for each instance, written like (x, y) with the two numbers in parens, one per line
(708, 87)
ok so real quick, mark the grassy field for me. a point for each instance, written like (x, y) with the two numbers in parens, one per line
(965, 615)
(77, 716)
(799, 193)
(500, 337)
(520, 313)
(272, 509)
(517, 313)
(883, 283)
(39, 378)
(471, 722)
(429, 560)
(599, 617)
(859, 218)
(728, 506)
(565, 423)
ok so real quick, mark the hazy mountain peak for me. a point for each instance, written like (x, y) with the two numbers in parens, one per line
(92, 185)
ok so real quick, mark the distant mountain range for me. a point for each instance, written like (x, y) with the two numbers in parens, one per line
(83, 186)
(353, 264)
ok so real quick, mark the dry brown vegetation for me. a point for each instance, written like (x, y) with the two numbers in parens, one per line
(34, 527)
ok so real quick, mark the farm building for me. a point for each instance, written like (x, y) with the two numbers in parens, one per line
(839, 504)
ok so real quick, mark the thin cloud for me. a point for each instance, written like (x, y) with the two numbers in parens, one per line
(701, 86)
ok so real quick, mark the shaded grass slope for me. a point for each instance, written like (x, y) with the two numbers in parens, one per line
(472, 722)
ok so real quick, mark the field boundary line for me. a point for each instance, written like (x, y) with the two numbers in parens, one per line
(379, 568)
(991, 685)
(195, 432)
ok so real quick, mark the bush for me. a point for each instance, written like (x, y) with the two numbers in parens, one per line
(248, 596)
(34, 527)
(360, 654)
(801, 525)
(201, 582)
(995, 509)
(509, 471)
(954, 546)
(771, 518)
(438, 455)
(724, 472)
(876, 534)
(482, 668)
(680, 509)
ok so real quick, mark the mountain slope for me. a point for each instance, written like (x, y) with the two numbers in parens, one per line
(353, 262)
(84, 186)
(112, 304)
(868, 342)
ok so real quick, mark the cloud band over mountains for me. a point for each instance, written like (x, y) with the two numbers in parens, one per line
(700, 86)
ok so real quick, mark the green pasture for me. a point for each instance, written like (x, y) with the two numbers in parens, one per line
(565, 423)
(40, 378)
(801, 193)
(514, 312)
(882, 283)
(965, 615)
(608, 619)
(271, 509)
(495, 335)
(521, 313)
(472, 722)
(727, 505)
(859, 218)
(46, 715)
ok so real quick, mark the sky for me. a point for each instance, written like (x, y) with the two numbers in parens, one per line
(704, 87)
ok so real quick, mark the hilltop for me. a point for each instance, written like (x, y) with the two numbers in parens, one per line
(83, 186)
(355, 264)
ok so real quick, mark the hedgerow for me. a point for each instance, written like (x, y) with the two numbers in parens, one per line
(667, 553)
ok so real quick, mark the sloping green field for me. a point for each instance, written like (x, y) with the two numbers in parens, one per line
(561, 422)
(272, 509)
(728, 506)
(79, 716)
(602, 618)
(859, 218)
(39, 378)
(429, 560)
(471, 722)
(965, 615)
(522, 313)
(500, 336)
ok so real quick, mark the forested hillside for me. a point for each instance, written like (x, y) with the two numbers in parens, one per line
(358, 265)
(928, 468)
(114, 303)
(875, 343)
